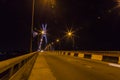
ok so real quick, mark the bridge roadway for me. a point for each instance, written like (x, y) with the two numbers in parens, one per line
(54, 67)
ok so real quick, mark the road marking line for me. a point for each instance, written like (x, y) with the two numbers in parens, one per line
(88, 66)
(114, 65)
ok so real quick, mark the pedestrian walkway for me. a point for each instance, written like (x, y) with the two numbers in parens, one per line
(41, 70)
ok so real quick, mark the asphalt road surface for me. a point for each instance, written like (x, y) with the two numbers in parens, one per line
(73, 68)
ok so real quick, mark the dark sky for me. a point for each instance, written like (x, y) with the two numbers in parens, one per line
(96, 23)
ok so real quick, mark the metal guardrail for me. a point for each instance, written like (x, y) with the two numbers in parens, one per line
(17, 68)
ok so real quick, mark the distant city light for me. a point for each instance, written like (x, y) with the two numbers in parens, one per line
(42, 51)
(110, 11)
(98, 17)
(52, 43)
(57, 40)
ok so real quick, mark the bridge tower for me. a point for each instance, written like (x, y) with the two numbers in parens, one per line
(43, 36)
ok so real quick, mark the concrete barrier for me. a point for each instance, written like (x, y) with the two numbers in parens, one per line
(107, 56)
(62, 53)
(88, 56)
(76, 54)
(72, 54)
(113, 59)
(81, 55)
(119, 60)
(96, 57)
(66, 53)
(69, 53)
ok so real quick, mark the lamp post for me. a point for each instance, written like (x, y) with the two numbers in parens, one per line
(32, 24)
(58, 41)
(70, 34)
(73, 41)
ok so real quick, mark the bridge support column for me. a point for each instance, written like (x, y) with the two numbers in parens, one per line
(97, 57)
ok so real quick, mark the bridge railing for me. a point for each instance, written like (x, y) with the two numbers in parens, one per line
(17, 68)
(107, 56)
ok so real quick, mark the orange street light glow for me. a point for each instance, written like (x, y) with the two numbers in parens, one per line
(57, 40)
(43, 32)
(69, 33)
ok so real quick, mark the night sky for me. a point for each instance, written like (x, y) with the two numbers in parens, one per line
(96, 23)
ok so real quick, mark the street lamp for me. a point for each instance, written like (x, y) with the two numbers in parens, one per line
(33, 5)
(70, 34)
(53, 3)
(57, 40)
(42, 32)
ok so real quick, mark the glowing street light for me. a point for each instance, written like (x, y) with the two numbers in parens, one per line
(43, 32)
(70, 34)
(52, 43)
(57, 40)
(46, 2)
(32, 24)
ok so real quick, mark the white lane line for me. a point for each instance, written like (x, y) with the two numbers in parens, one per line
(114, 65)
(88, 66)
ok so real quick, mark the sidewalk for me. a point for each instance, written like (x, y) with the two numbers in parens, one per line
(41, 70)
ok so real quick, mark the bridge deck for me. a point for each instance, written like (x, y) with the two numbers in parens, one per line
(41, 70)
